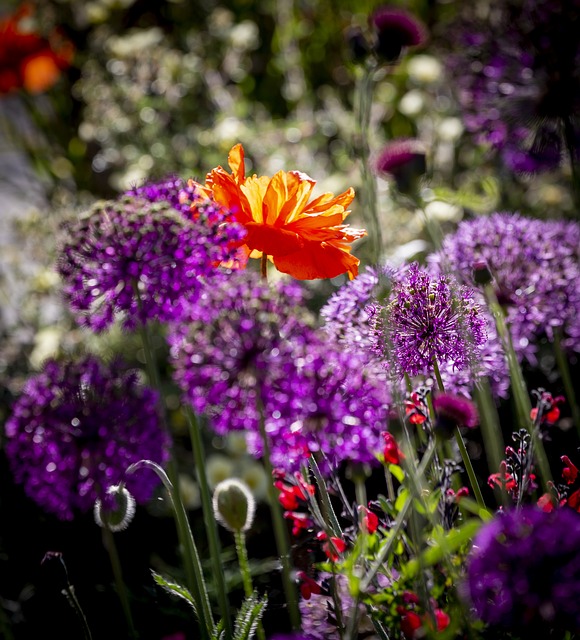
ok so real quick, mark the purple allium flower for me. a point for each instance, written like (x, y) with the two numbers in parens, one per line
(432, 318)
(535, 266)
(404, 161)
(524, 571)
(142, 259)
(395, 29)
(75, 430)
(518, 78)
(227, 349)
(337, 405)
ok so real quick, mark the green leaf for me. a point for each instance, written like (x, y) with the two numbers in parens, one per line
(397, 472)
(174, 588)
(401, 499)
(249, 616)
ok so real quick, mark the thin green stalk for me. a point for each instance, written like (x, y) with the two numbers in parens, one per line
(571, 142)
(242, 551)
(462, 448)
(209, 520)
(519, 389)
(564, 370)
(280, 530)
(363, 106)
(111, 547)
(195, 579)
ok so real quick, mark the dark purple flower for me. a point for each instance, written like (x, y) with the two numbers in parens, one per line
(404, 161)
(141, 259)
(517, 74)
(395, 29)
(75, 430)
(337, 405)
(453, 411)
(535, 265)
(524, 571)
(226, 351)
(431, 319)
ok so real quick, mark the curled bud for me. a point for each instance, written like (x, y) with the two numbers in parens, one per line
(234, 505)
(117, 510)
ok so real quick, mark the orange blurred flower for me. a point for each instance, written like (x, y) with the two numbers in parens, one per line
(305, 239)
(28, 60)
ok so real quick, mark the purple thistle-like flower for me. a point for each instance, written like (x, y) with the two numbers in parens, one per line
(517, 74)
(75, 430)
(432, 319)
(141, 259)
(395, 29)
(226, 351)
(524, 571)
(404, 161)
(337, 406)
(454, 411)
(535, 265)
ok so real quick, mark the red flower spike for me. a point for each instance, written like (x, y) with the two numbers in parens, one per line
(570, 471)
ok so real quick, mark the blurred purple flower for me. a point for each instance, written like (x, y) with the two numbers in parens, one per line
(535, 265)
(524, 571)
(517, 73)
(75, 430)
(403, 160)
(140, 259)
(395, 29)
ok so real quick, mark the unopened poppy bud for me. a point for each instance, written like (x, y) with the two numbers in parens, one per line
(117, 510)
(234, 505)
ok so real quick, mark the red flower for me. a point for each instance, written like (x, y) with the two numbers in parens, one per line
(570, 471)
(333, 547)
(503, 479)
(28, 60)
(410, 622)
(370, 520)
(308, 586)
(391, 453)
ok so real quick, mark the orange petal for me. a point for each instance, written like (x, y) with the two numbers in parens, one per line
(272, 241)
(286, 197)
(39, 73)
(236, 161)
(318, 260)
(254, 190)
(327, 200)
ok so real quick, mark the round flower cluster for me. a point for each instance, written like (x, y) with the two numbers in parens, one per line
(535, 266)
(226, 351)
(517, 74)
(430, 319)
(140, 259)
(337, 407)
(524, 571)
(75, 430)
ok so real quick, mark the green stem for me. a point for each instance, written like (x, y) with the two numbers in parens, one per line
(242, 552)
(566, 379)
(519, 389)
(195, 580)
(280, 530)
(209, 520)
(570, 139)
(369, 194)
(438, 377)
(111, 547)
(469, 468)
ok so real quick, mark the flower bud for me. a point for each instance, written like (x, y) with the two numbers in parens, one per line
(234, 505)
(117, 510)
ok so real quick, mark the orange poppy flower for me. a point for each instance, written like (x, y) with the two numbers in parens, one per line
(27, 60)
(305, 239)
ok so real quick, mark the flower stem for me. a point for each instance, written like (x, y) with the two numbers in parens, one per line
(195, 580)
(264, 266)
(280, 530)
(462, 448)
(242, 552)
(364, 93)
(570, 139)
(566, 379)
(209, 521)
(111, 547)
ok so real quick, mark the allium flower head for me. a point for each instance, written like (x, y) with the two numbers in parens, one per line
(432, 319)
(227, 349)
(132, 257)
(535, 265)
(306, 239)
(404, 161)
(75, 430)
(524, 571)
(395, 29)
(518, 78)
(338, 407)
(28, 60)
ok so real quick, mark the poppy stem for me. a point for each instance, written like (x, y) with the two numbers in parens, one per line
(264, 266)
